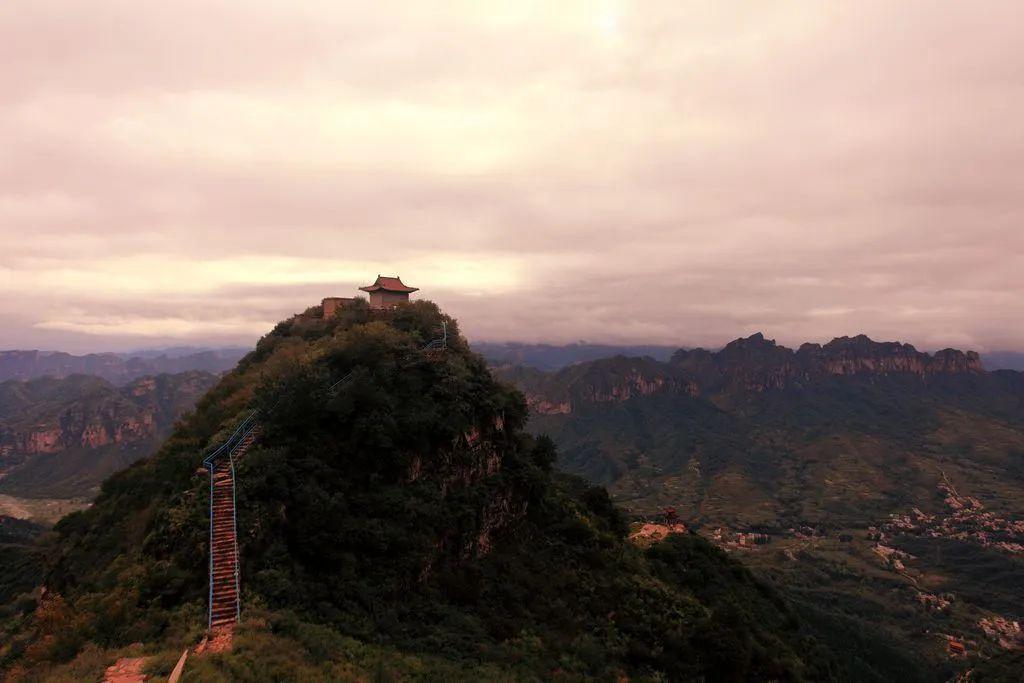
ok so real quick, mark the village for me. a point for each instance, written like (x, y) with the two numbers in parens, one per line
(967, 520)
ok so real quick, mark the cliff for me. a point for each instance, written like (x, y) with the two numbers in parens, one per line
(61, 437)
(759, 364)
(742, 367)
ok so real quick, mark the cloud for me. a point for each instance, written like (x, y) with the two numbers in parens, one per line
(671, 172)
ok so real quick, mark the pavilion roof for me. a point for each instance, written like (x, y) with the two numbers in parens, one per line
(388, 284)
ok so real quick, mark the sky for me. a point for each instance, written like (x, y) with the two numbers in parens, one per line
(662, 171)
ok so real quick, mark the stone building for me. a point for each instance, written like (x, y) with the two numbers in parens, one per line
(332, 303)
(387, 292)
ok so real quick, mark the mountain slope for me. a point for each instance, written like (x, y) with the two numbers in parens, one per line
(62, 437)
(835, 456)
(406, 516)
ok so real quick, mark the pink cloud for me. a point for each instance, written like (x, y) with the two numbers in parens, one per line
(676, 172)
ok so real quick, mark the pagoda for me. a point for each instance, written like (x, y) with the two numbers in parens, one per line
(388, 292)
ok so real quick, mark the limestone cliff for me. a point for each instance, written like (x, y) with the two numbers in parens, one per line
(750, 365)
(83, 426)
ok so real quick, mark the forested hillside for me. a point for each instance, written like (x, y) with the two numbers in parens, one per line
(880, 487)
(59, 438)
(404, 527)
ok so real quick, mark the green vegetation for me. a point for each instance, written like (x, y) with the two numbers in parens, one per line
(750, 440)
(60, 438)
(404, 528)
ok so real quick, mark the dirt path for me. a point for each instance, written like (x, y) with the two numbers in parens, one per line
(126, 670)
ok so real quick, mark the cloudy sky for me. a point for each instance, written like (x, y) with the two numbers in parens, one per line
(657, 171)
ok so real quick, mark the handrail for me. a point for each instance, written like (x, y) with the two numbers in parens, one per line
(235, 438)
(234, 523)
(333, 389)
(209, 610)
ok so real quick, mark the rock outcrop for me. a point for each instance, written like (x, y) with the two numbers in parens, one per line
(759, 364)
(749, 365)
(81, 415)
(611, 380)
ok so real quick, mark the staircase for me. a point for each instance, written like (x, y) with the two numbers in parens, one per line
(225, 603)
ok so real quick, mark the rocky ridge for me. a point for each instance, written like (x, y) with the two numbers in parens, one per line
(80, 415)
(753, 364)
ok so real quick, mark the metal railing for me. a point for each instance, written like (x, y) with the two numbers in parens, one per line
(236, 438)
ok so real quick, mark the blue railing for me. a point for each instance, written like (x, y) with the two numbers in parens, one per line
(336, 387)
(236, 438)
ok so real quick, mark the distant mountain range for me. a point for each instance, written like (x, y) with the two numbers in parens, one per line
(608, 414)
(114, 367)
(124, 367)
(553, 357)
(60, 437)
(830, 468)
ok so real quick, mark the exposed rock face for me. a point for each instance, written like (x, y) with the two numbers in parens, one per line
(80, 415)
(612, 380)
(474, 458)
(753, 364)
(758, 364)
(542, 406)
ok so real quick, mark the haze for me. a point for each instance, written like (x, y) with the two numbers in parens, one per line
(657, 172)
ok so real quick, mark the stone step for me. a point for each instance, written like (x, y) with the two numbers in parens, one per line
(223, 542)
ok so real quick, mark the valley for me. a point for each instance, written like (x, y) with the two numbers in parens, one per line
(880, 488)
(875, 488)
(61, 437)
(44, 511)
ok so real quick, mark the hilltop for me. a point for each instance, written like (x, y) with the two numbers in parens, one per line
(404, 527)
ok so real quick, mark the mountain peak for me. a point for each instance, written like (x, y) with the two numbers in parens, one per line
(754, 341)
